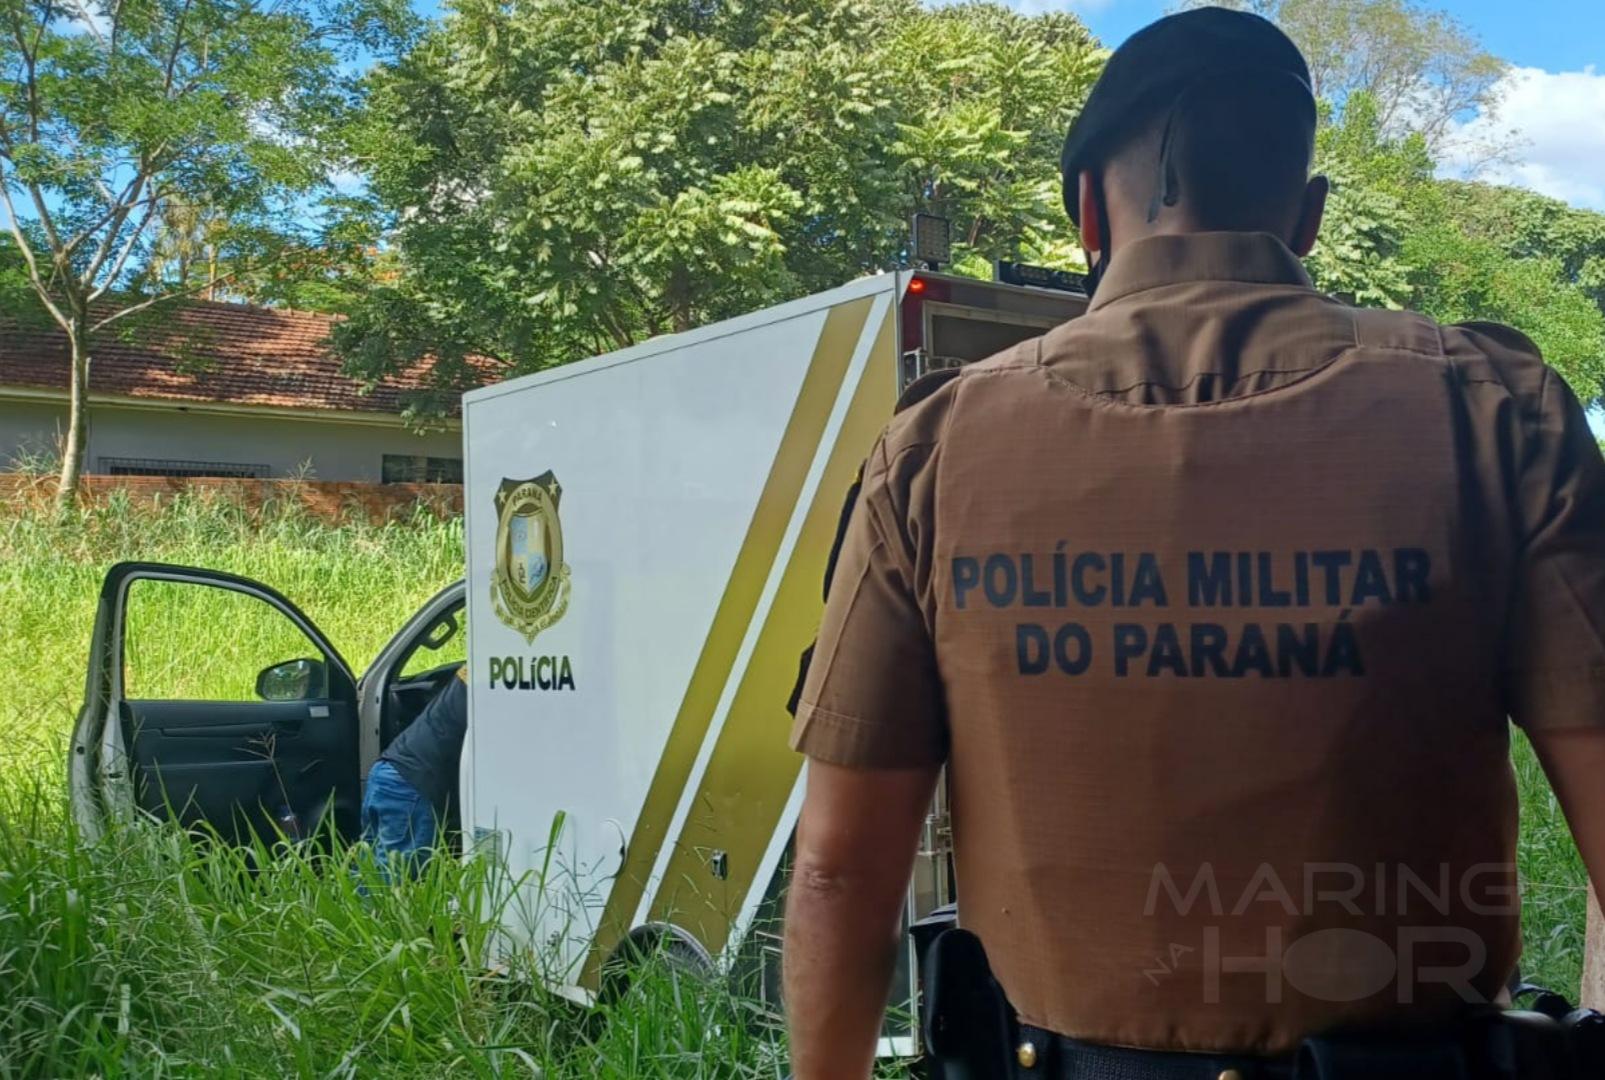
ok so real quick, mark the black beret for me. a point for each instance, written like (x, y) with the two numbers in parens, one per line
(1162, 60)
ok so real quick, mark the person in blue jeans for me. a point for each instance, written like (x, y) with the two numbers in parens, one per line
(412, 788)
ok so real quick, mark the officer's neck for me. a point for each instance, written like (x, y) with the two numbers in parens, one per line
(1129, 223)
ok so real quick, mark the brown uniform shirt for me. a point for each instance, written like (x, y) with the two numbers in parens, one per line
(1215, 602)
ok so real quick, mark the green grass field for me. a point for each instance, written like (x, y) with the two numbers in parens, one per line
(148, 955)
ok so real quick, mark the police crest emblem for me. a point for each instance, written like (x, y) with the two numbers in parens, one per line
(529, 587)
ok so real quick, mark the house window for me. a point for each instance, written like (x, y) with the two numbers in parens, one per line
(121, 466)
(419, 469)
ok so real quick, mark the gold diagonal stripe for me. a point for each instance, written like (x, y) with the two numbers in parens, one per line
(752, 771)
(821, 384)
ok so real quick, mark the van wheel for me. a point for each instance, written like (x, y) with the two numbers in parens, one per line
(653, 947)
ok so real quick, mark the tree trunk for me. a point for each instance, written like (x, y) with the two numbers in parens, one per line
(72, 455)
(1593, 995)
(677, 297)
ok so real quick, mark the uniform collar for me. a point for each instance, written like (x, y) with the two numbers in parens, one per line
(1177, 259)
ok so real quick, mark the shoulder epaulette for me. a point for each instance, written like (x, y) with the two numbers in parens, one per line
(926, 385)
(1508, 336)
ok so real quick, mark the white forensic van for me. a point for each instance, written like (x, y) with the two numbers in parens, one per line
(647, 534)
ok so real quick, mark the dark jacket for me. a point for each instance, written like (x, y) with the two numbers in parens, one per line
(427, 753)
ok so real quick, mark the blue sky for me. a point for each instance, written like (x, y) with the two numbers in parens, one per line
(1555, 35)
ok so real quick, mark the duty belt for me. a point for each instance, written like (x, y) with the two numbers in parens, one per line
(1042, 1055)
(971, 1033)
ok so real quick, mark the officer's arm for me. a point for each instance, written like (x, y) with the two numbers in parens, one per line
(1557, 632)
(856, 842)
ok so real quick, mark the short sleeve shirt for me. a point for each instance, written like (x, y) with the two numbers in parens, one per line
(1215, 602)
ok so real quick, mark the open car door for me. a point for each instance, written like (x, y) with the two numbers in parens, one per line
(413, 667)
(210, 698)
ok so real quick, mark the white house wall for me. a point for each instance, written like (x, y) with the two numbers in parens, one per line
(328, 449)
(29, 430)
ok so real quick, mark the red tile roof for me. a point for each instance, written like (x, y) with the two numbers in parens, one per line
(203, 351)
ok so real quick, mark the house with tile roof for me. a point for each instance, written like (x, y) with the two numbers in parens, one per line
(218, 389)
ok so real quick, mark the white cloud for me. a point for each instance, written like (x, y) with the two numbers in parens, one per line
(1559, 120)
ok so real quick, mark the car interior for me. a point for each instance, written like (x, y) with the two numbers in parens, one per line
(214, 738)
(425, 670)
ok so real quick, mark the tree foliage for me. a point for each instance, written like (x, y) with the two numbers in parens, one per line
(1395, 236)
(1360, 252)
(1394, 79)
(1524, 224)
(984, 97)
(1420, 68)
(550, 179)
(565, 177)
(1515, 257)
(559, 178)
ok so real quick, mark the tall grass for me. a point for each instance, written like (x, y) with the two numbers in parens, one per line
(152, 954)
(1554, 882)
(357, 581)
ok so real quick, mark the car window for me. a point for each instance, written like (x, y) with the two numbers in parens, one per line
(185, 641)
(443, 643)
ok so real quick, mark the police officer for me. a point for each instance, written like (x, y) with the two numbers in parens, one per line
(1214, 603)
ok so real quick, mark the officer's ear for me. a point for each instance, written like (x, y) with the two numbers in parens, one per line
(1092, 238)
(1312, 208)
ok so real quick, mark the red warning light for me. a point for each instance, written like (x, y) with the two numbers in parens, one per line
(916, 285)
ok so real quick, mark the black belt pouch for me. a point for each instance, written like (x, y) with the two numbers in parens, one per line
(966, 1017)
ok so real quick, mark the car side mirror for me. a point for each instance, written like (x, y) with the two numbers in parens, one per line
(293, 680)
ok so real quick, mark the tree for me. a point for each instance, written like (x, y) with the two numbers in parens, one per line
(986, 97)
(1471, 264)
(1421, 68)
(560, 178)
(185, 246)
(1360, 253)
(16, 291)
(1397, 237)
(1525, 224)
(565, 177)
(114, 113)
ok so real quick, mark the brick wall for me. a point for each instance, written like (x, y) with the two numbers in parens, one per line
(329, 500)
